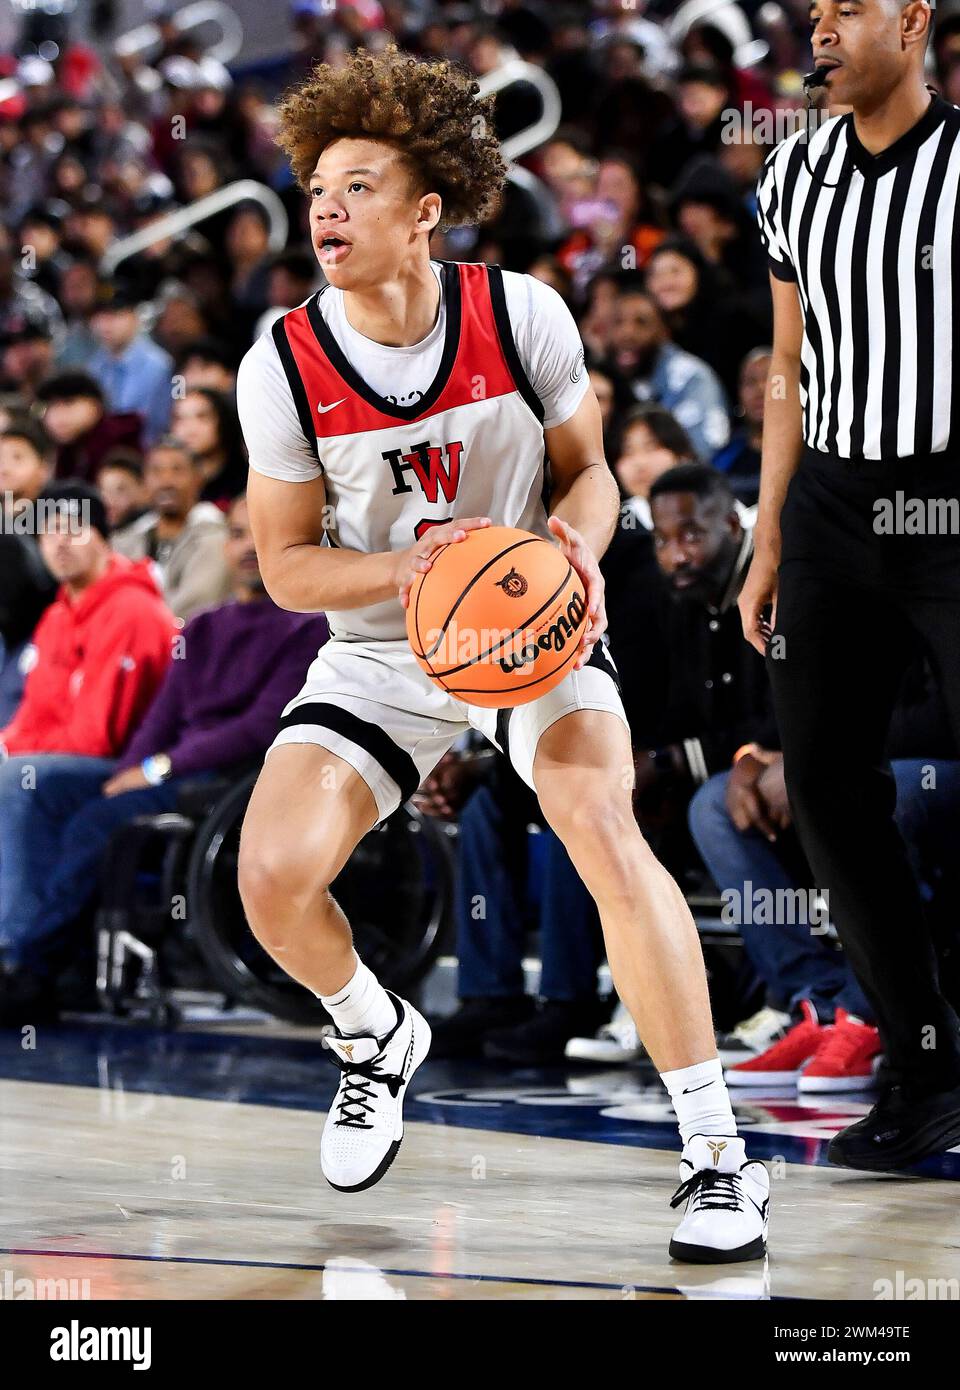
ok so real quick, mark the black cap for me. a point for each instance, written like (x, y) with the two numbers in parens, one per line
(116, 294)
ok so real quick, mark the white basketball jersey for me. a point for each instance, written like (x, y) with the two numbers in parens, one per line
(472, 445)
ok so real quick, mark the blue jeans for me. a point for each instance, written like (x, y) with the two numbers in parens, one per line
(493, 910)
(793, 963)
(54, 827)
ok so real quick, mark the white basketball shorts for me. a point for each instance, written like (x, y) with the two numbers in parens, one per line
(372, 705)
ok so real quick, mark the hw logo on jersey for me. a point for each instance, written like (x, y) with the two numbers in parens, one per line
(426, 463)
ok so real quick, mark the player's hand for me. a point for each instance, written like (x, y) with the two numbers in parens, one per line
(583, 560)
(759, 591)
(416, 560)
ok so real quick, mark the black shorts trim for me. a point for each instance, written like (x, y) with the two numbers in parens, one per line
(502, 733)
(601, 658)
(370, 737)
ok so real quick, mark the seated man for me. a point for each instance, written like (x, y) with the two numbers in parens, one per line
(494, 915)
(97, 658)
(26, 585)
(741, 822)
(182, 534)
(235, 668)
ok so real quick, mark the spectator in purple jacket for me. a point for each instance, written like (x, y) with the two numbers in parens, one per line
(235, 666)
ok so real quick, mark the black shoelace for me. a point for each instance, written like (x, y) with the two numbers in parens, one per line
(711, 1190)
(358, 1100)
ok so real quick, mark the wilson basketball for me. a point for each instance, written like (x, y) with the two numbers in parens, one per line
(498, 619)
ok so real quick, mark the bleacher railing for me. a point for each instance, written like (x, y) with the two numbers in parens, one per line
(174, 224)
(146, 36)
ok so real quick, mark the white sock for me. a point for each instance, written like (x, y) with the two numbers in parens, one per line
(700, 1098)
(362, 1006)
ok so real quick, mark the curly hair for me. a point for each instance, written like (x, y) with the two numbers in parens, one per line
(427, 110)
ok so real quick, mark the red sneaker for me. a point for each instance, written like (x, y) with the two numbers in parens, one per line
(846, 1060)
(782, 1063)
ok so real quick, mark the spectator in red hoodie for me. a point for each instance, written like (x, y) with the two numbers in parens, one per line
(97, 657)
(217, 709)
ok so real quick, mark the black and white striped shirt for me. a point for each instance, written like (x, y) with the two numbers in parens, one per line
(877, 266)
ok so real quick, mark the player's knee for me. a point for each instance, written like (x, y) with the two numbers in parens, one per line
(593, 815)
(277, 882)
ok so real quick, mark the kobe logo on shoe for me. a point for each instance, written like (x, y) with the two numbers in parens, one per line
(716, 1150)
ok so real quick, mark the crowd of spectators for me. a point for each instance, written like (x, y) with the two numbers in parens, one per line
(117, 388)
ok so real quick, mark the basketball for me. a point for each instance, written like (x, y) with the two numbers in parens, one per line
(498, 619)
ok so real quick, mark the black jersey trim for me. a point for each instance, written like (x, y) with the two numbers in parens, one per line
(297, 389)
(396, 763)
(450, 276)
(501, 318)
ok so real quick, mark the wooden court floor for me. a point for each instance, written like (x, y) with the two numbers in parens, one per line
(124, 1183)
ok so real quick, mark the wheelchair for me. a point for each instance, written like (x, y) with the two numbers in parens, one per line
(170, 918)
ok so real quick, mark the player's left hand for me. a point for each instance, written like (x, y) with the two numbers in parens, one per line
(583, 560)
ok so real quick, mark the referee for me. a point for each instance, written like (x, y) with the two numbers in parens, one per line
(857, 543)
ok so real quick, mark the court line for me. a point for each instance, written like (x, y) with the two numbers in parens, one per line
(396, 1273)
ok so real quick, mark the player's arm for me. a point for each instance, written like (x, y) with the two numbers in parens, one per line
(782, 445)
(584, 504)
(584, 493)
(287, 520)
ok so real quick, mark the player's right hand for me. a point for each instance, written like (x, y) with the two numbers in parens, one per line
(417, 559)
(759, 591)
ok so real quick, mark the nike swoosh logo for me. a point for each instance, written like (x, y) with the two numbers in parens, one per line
(322, 409)
(689, 1090)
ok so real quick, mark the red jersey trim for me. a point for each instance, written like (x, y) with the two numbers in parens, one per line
(479, 361)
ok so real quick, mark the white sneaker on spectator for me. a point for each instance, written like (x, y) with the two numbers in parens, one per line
(615, 1043)
(727, 1200)
(753, 1036)
(364, 1126)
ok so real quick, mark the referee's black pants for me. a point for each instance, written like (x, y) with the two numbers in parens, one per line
(854, 607)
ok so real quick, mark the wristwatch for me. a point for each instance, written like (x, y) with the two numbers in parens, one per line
(157, 769)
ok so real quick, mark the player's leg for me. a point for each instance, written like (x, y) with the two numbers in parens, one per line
(342, 762)
(583, 773)
(308, 811)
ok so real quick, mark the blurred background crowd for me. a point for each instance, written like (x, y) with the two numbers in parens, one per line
(120, 337)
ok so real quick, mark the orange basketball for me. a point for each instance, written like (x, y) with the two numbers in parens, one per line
(498, 619)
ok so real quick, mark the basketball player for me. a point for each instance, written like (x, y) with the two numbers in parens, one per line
(408, 403)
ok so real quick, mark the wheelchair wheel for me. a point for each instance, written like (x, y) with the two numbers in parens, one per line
(396, 891)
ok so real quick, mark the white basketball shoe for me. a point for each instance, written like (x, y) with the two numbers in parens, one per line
(364, 1126)
(727, 1199)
